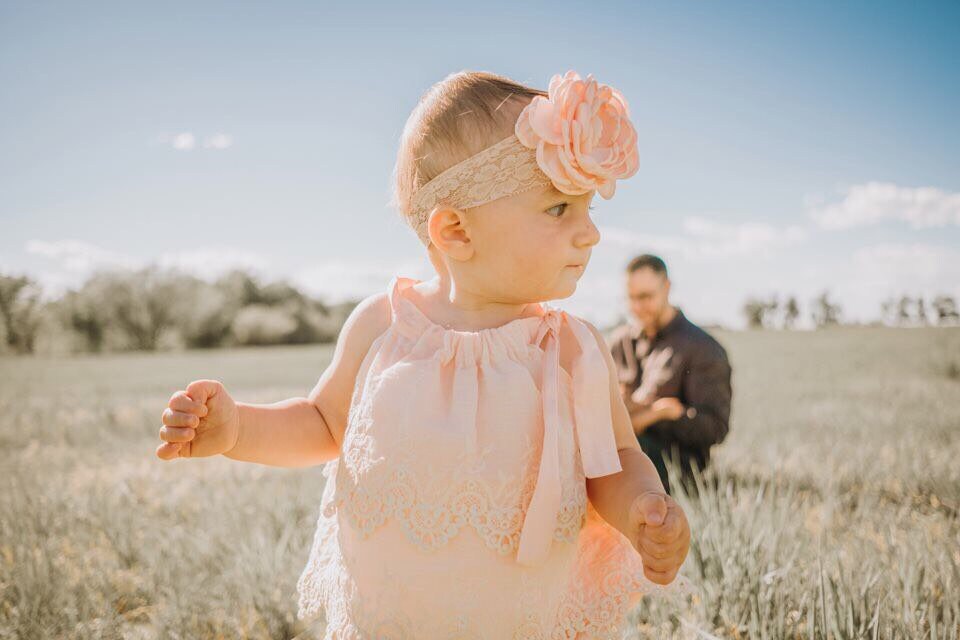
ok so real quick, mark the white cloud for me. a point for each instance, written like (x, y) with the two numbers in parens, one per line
(894, 268)
(218, 141)
(213, 262)
(341, 280)
(721, 239)
(183, 141)
(879, 271)
(706, 239)
(634, 240)
(76, 255)
(874, 202)
(709, 295)
(83, 257)
(187, 141)
(71, 262)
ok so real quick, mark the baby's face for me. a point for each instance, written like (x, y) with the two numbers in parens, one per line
(527, 246)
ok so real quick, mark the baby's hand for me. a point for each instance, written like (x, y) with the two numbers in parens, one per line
(661, 535)
(202, 420)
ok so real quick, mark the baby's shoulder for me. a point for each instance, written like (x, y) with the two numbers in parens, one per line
(602, 344)
(367, 321)
(332, 395)
(569, 343)
(597, 335)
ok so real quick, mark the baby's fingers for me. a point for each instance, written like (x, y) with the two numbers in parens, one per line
(660, 577)
(659, 565)
(671, 529)
(182, 402)
(169, 450)
(173, 418)
(177, 434)
(652, 549)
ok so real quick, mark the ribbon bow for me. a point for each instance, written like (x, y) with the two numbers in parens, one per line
(598, 449)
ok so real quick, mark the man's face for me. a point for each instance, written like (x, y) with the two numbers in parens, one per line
(648, 293)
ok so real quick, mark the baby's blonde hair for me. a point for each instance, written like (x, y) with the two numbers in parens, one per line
(457, 117)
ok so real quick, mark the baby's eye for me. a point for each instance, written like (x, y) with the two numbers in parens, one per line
(560, 208)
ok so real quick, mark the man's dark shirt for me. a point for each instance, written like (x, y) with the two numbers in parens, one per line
(682, 361)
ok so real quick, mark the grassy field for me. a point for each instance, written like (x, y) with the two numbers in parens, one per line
(834, 512)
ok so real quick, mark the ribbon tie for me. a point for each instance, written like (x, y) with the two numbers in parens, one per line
(598, 449)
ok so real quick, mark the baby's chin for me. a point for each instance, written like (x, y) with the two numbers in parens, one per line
(565, 286)
(554, 291)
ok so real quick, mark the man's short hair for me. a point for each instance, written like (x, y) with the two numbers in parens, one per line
(647, 261)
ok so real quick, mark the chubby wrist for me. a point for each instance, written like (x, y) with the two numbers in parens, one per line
(614, 495)
(239, 420)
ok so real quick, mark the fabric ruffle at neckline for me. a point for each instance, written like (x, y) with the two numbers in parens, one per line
(467, 348)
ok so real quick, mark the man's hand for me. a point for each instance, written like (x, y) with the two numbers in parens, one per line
(632, 405)
(661, 535)
(644, 415)
(669, 408)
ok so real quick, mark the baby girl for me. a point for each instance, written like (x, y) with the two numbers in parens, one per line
(483, 478)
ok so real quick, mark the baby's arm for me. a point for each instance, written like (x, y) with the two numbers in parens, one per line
(633, 500)
(613, 495)
(300, 432)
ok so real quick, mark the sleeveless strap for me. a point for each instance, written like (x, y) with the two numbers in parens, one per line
(394, 291)
(598, 449)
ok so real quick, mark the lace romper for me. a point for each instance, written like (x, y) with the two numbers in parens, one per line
(458, 505)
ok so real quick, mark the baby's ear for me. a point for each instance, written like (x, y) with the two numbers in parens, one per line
(447, 228)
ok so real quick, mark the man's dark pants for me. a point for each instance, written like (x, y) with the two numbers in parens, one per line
(657, 450)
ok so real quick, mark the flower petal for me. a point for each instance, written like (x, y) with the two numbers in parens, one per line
(543, 120)
(607, 188)
(582, 133)
(524, 131)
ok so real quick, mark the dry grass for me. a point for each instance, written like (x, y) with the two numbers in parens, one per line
(831, 512)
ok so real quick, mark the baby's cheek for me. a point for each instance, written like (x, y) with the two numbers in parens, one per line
(533, 270)
(537, 255)
(525, 261)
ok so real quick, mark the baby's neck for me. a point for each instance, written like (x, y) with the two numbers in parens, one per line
(458, 309)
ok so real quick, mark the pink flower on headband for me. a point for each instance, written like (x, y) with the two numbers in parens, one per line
(582, 133)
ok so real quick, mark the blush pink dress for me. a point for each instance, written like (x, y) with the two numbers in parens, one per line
(458, 505)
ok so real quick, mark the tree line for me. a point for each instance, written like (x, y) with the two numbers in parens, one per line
(153, 309)
(902, 311)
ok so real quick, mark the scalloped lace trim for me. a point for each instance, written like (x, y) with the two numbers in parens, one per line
(597, 612)
(431, 518)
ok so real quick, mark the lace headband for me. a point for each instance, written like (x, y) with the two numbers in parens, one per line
(579, 138)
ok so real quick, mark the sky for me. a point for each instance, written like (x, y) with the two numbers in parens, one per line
(785, 149)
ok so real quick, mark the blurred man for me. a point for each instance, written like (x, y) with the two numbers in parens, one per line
(675, 378)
